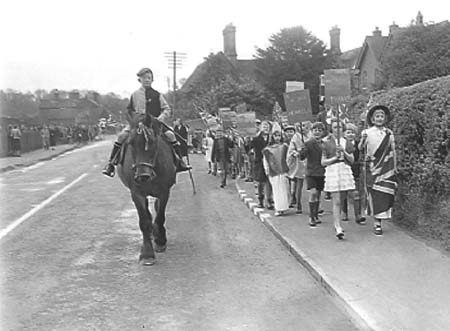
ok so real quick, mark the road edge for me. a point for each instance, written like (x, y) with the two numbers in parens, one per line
(359, 320)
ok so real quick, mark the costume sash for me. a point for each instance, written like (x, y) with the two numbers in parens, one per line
(380, 179)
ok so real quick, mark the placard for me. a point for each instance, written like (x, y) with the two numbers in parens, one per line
(292, 86)
(228, 118)
(337, 86)
(298, 106)
(246, 124)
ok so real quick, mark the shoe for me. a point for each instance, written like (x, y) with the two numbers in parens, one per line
(321, 211)
(318, 221)
(344, 218)
(361, 221)
(270, 207)
(312, 222)
(377, 230)
(222, 185)
(109, 170)
(278, 213)
(327, 196)
(209, 171)
(248, 180)
(298, 211)
(340, 235)
(260, 205)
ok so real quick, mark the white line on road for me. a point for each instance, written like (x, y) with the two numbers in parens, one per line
(33, 211)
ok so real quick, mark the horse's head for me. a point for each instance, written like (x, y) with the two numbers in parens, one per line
(144, 142)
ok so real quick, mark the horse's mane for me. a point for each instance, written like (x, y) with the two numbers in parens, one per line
(148, 121)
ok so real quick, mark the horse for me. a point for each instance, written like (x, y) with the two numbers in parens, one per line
(147, 169)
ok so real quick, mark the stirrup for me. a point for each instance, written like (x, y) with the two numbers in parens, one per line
(109, 170)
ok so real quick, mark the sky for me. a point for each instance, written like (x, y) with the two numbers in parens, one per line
(100, 45)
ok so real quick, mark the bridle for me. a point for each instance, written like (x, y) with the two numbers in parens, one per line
(147, 132)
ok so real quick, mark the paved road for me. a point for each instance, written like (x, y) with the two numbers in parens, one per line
(70, 243)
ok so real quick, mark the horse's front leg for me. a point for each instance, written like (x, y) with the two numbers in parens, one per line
(147, 256)
(159, 230)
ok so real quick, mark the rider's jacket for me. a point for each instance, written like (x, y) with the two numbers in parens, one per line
(148, 100)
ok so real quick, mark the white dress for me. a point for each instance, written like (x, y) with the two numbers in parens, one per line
(208, 144)
(339, 176)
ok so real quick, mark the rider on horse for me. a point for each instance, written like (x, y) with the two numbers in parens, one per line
(149, 101)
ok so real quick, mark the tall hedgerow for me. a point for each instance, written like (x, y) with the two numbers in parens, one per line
(421, 124)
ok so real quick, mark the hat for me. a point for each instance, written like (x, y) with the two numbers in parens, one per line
(144, 71)
(276, 127)
(289, 127)
(378, 107)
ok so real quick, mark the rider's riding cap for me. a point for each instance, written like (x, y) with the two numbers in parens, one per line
(144, 71)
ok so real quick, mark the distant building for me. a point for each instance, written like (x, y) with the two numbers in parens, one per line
(366, 70)
(72, 110)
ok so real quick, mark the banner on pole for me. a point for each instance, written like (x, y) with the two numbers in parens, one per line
(228, 118)
(337, 86)
(246, 124)
(298, 106)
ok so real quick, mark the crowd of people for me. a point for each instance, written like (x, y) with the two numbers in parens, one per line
(329, 155)
(31, 137)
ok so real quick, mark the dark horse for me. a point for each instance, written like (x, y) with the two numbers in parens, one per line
(148, 169)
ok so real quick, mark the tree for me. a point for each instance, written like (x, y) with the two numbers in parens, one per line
(294, 54)
(416, 54)
(219, 84)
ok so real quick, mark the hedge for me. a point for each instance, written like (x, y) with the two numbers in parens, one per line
(421, 125)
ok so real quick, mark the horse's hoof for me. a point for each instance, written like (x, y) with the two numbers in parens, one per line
(147, 261)
(160, 248)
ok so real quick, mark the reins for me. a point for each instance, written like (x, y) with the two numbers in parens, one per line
(147, 132)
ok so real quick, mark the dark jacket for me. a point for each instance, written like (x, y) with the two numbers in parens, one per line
(258, 143)
(221, 149)
(312, 152)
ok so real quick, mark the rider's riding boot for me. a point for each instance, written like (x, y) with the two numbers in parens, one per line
(109, 169)
(179, 163)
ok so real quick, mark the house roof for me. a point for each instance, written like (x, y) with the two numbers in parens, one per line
(348, 58)
(374, 44)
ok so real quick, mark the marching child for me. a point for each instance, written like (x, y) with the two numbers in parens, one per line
(208, 142)
(350, 134)
(379, 146)
(297, 166)
(312, 152)
(221, 154)
(337, 157)
(276, 169)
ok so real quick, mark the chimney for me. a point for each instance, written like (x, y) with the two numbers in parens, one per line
(376, 32)
(419, 18)
(229, 42)
(335, 40)
(393, 28)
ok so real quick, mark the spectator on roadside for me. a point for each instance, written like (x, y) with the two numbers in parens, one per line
(45, 134)
(10, 140)
(16, 136)
(182, 133)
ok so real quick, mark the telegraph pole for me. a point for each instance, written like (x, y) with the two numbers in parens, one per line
(175, 62)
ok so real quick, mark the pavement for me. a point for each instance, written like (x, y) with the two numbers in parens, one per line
(388, 282)
(33, 157)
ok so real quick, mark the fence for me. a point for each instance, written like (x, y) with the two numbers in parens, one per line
(30, 141)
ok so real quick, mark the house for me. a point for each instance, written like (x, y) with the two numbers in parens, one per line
(71, 110)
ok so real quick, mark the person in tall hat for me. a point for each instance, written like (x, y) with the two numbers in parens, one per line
(276, 169)
(146, 100)
(378, 145)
